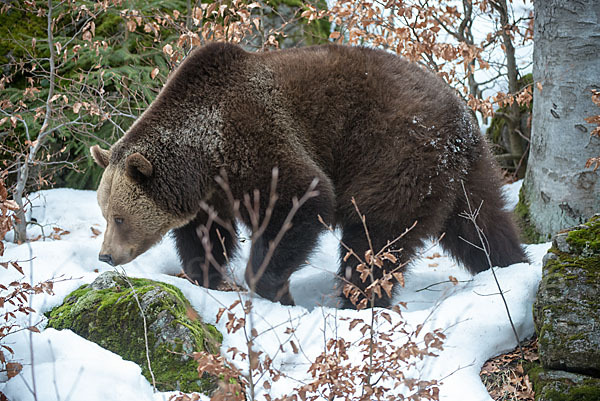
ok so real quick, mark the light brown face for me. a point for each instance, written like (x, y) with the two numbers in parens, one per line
(133, 221)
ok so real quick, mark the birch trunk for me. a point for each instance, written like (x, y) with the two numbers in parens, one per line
(28, 159)
(558, 189)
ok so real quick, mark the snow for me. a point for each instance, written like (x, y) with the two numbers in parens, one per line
(68, 367)
(511, 194)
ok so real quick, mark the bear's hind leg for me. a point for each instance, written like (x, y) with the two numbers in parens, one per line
(354, 237)
(207, 272)
(501, 236)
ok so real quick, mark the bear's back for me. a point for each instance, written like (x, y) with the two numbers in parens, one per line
(357, 103)
(358, 79)
(360, 115)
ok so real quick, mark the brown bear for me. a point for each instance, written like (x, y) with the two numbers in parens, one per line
(367, 124)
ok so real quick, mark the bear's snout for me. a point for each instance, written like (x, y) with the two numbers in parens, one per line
(107, 259)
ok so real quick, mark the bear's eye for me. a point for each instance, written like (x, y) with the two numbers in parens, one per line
(118, 220)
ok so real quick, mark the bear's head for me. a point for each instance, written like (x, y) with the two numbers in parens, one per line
(134, 220)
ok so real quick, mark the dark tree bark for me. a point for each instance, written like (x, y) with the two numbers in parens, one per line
(513, 112)
(558, 189)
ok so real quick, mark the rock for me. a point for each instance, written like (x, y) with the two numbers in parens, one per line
(567, 307)
(107, 313)
(560, 242)
(557, 385)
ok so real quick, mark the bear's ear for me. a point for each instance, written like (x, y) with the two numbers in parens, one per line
(138, 167)
(101, 156)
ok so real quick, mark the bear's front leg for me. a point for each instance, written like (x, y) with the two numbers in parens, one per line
(202, 270)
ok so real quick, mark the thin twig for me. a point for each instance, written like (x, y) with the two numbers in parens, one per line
(135, 295)
(472, 216)
(442, 282)
(31, 353)
(363, 219)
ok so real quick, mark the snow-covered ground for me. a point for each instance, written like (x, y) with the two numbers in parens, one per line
(68, 367)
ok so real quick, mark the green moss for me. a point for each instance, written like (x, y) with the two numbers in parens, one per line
(579, 393)
(570, 282)
(111, 318)
(557, 386)
(494, 131)
(529, 234)
(533, 370)
(576, 337)
(565, 314)
(541, 333)
(586, 241)
(568, 266)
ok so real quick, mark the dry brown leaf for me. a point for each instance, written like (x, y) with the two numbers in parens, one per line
(294, 347)
(390, 256)
(191, 313)
(13, 369)
(17, 267)
(399, 278)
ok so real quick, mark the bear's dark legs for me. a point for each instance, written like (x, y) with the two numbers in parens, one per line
(188, 239)
(503, 243)
(500, 233)
(355, 238)
(271, 281)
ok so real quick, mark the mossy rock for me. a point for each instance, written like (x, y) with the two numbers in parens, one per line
(567, 307)
(107, 313)
(585, 240)
(556, 385)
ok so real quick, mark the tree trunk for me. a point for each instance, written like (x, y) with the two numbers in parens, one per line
(513, 111)
(28, 159)
(559, 191)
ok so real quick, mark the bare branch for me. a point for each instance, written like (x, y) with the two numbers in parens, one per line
(471, 215)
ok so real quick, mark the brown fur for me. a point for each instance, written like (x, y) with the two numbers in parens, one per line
(129, 233)
(367, 124)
